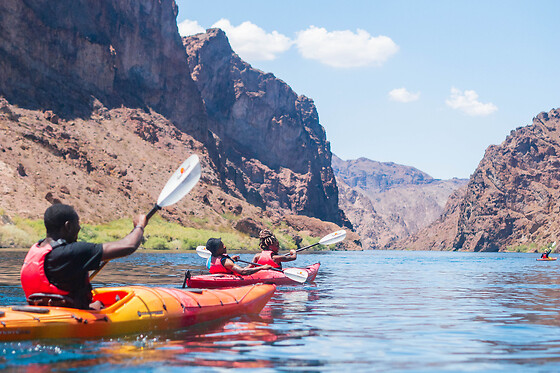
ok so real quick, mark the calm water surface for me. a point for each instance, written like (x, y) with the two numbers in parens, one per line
(367, 311)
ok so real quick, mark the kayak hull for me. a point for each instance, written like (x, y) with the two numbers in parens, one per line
(546, 259)
(132, 309)
(227, 280)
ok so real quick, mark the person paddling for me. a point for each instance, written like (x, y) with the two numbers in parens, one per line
(220, 262)
(57, 266)
(270, 246)
(545, 254)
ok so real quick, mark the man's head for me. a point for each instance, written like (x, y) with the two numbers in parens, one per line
(62, 221)
(214, 245)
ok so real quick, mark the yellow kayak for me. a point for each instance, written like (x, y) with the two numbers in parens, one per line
(132, 309)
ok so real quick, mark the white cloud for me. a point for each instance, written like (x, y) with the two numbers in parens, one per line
(402, 95)
(188, 27)
(344, 48)
(252, 43)
(468, 103)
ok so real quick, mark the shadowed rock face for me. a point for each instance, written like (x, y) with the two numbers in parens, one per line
(511, 198)
(60, 54)
(386, 201)
(266, 130)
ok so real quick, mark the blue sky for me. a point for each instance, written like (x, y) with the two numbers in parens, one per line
(429, 84)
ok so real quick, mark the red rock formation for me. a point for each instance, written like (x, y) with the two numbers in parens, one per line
(270, 136)
(511, 198)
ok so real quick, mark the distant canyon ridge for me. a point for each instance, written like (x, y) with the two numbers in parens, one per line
(100, 100)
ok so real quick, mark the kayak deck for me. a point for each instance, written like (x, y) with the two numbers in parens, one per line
(546, 259)
(132, 309)
(215, 281)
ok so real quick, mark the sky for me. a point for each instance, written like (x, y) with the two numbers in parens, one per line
(428, 84)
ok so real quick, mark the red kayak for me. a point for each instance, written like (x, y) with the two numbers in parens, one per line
(546, 259)
(227, 281)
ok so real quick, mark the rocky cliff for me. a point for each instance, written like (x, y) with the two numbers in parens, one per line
(62, 54)
(97, 106)
(387, 201)
(511, 199)
(271, 137)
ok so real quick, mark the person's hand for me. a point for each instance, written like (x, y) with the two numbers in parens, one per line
(235, 258)
(140, 221)
(266, 266)
(292, 252)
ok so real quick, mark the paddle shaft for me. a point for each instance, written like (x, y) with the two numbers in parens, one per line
(257, 264)
(304, 248)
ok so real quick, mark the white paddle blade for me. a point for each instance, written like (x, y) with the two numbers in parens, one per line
(203, 252)
(334, 237)
(296, 274)
(181, 182)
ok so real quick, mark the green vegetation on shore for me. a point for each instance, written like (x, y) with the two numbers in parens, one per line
(159, 235)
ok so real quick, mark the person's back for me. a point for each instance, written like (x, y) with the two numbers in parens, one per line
(220, 262)
(269, 254)
(59, 266)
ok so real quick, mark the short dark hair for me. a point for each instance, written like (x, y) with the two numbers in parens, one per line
(58, 214)
(213, 244)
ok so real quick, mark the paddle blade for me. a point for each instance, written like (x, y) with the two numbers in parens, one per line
(181, 182)
(203, 252)
(332, 238)
(296, 274)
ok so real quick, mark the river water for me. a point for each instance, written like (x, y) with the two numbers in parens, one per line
(368, 311)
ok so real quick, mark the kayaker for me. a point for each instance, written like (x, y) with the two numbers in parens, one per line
(545, 254)
(58, 265)
(220, 262)
(270, 246)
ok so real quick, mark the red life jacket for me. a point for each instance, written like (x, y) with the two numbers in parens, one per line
(216, 265)
(266, 258)
(33, 277)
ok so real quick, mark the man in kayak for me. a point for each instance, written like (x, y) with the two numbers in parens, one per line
(545, 254)
(220, 262)
(269, 255)
(58, 265)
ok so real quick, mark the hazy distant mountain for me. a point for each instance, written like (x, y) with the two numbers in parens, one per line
(387, 201)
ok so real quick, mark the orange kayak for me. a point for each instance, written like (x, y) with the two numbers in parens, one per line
(132, 309)
(546, 259)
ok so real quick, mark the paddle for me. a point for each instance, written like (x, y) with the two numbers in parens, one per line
(296, 274)
(329, 239)
(179, 185)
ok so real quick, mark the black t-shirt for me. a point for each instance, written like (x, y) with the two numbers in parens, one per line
(67, 268)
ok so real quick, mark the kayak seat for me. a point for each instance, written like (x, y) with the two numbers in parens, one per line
(54, 300)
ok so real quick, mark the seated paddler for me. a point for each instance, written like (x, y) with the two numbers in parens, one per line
(220, 262)
(56, 269)
(270, 247)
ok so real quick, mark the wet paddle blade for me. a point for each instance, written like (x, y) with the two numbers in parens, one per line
(296, 274)
(203, 252)
(333, 238)
(181, 182)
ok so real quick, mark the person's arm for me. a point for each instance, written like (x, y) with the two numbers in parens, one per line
(229, 264)
(255, 259)
(285, 258)
(127, 245)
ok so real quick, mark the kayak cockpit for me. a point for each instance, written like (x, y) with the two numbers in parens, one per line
(112, 298)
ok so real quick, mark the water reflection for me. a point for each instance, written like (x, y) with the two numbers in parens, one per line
(367, 311)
